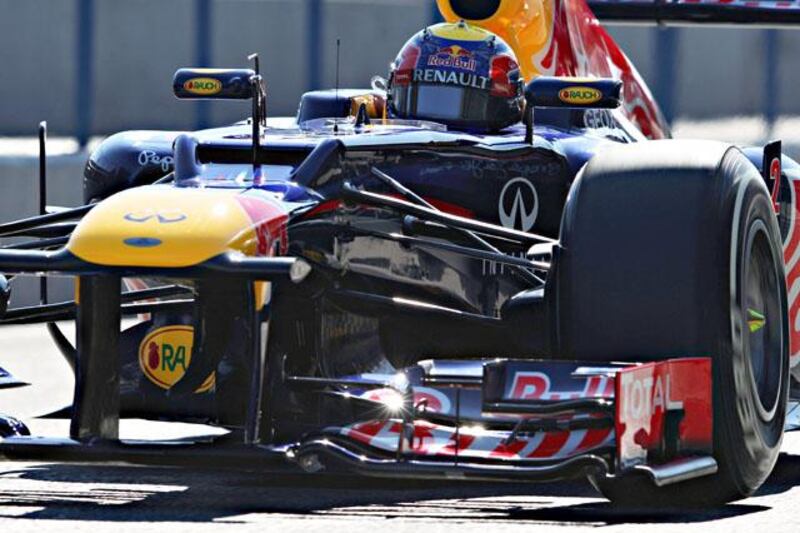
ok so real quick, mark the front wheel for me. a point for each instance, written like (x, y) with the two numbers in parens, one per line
(671, 249)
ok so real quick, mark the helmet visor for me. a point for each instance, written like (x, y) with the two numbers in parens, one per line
(441, 102)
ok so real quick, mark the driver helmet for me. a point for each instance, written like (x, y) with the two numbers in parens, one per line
(459, 75)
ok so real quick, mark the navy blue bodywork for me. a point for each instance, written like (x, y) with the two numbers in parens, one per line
(499, 179)
(466, 174)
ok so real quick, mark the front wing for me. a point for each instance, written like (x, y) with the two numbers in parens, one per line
(506, 420)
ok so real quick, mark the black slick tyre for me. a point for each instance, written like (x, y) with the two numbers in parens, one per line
(671, 249)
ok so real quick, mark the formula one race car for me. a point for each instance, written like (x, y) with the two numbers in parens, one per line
(494, 265)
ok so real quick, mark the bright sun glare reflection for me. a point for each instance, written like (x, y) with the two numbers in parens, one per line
(393, 399)
(393, 402)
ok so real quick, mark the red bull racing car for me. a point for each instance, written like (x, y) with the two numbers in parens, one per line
(493, 265)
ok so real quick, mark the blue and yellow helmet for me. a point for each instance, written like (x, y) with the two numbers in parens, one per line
(459, 75)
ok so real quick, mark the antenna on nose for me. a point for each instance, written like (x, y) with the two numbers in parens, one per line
(259, 115)
(43, 195)
(338, 49)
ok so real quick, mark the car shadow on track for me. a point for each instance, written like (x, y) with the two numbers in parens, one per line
(134, 494)
(785, 476)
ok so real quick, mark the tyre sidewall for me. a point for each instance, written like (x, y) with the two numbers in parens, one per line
(746, 445)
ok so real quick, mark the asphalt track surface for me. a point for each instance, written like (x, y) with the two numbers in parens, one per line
(50, 496)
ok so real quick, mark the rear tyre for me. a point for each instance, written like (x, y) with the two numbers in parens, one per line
(671, 249)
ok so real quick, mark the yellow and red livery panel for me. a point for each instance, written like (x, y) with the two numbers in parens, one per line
(564, 38)
(170, 227)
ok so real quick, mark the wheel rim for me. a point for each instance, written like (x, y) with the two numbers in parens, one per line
(762, 314)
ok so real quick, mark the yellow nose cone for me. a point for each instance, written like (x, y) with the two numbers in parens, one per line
(164, 226)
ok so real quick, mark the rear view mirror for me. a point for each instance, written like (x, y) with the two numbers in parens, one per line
(225, 84)
(546, 91)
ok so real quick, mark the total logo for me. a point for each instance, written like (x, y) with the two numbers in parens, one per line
(642, 397)
(518, 206)
(164, 355)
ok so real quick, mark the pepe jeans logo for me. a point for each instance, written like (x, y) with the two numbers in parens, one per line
(519, 205)
(168, 216)
(149, 157)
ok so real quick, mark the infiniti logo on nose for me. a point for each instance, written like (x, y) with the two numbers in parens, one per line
(164, 217)
(518, 205)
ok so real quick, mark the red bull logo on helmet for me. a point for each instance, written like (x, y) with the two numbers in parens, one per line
(453, 56)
